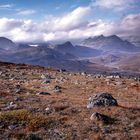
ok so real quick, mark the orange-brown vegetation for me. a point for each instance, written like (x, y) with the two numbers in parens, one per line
(64, 115)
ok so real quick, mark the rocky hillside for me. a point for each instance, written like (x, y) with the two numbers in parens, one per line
(41, 103)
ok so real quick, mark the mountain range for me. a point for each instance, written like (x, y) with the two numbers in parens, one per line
(111, 43)
(99, 53)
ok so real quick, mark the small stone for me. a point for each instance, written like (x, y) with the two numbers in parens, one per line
(48, 110)
(43, 93)
(11, 105)
(83, 73)
(17, 91)
(46, 81)
(62, 70)
(57, 89)
(17, 99)
(101, 117)
(1, 125)
(106, 130)
(43, 76)
(12, 127)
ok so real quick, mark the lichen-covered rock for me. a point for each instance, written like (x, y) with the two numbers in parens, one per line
(102, 99)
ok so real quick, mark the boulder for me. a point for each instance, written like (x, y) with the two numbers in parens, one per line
(101, 117)
(102, 99)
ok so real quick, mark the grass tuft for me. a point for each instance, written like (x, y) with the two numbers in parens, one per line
(31, 120)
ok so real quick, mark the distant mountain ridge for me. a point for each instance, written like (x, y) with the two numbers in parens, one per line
(110, 43)
(78, 51)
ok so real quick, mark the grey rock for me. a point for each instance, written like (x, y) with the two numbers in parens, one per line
(57, 89)
(11, 105)
(102, 99)
(46, 81)
(16, 126)
(18, 91)
(43, 93)
(1, 125)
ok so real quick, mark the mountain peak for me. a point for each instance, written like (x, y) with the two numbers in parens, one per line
(6, 43)
(114, 37)
(95, 37)
(4, 38)
(101, 38)
(104, 37)
(68, 43)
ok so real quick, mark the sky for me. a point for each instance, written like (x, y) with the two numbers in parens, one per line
(54, 20)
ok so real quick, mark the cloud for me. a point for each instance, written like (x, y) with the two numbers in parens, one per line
(9, 24)
(72, 20)
(117, 5)
(26, 12)
(58, 7)
(73, 25)
(129, 26)
(52, 28)
(6, 6)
